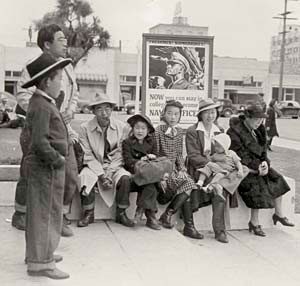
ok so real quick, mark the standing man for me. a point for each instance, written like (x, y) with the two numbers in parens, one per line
(177, 67)
(51, 40)
(262, 102)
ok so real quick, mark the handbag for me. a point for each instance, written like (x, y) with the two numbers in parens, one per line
(151, 171)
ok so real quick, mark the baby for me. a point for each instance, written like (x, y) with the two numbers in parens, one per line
(223, 163)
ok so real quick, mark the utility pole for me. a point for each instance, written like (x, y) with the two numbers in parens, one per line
(283, 16)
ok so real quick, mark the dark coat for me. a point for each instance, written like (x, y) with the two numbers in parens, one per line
(271, 123)
(133, 151)
(256, 191)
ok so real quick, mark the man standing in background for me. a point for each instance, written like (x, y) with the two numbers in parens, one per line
(51, 40)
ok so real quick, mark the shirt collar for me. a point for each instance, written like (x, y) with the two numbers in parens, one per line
(214, 128)
(44, 94)
(94, 125)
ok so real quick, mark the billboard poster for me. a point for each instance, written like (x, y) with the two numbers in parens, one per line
(176, 67)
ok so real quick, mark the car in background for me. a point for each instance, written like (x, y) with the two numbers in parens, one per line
(289, 108)
(227, 108)
(130, 107)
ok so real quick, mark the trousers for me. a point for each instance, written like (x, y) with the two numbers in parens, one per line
(44, 214)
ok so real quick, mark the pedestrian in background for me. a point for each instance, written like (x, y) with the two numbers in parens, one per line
(45, 167)
(270, 123)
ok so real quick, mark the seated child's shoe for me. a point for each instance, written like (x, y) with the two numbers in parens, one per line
(138, 215)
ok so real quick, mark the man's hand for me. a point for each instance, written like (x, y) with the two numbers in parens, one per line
(106, 182)
(151, 156)
(263, 168)
(67, 116)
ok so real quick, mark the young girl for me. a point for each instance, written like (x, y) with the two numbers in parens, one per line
(178, 187)
(140, 146)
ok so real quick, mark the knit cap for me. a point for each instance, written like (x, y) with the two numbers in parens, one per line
(224, 140)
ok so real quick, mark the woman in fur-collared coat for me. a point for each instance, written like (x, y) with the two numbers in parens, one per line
(263, 187)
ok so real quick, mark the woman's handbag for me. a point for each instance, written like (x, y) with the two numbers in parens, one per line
(151, 171)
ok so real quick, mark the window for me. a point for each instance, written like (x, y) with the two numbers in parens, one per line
(7, 73)
(16, 73)
(216, 81)
(234, 82)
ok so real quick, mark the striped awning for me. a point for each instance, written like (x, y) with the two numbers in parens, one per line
(91, 77)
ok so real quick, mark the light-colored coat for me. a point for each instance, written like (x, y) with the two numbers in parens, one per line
(91, 138)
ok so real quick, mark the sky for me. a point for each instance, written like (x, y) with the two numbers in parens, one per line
(241, 28)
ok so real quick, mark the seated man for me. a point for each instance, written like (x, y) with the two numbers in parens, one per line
(101, 140)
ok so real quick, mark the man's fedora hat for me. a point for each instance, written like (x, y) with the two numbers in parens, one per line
(206, 104)
(254, 111)
(179, 59)
(140, 117)
(101, 98)
(42, 66)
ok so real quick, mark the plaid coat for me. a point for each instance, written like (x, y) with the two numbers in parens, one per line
(172, 147)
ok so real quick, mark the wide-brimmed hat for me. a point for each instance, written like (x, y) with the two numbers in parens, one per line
(254, 111)
(42, 66)
(101, 98)
(140, 117)
(206, 104)
(224, 140)
(179, 59)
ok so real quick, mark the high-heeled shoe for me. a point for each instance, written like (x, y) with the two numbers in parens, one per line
(256, 229)
(282, 220)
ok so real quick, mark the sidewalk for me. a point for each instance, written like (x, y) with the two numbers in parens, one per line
(108, 254)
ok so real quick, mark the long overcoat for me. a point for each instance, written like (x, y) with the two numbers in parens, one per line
(256, 191)
(271, 123)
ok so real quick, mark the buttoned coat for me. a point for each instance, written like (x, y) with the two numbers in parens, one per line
(91, 138)
(256, 191)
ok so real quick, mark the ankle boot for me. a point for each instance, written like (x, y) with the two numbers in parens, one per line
(151, 219)
(19, 220)
(122, 218)
(88, 218)
(189, 227)
(166, 218)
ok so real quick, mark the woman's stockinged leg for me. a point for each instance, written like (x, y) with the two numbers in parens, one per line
(254, 216)
(278, 206)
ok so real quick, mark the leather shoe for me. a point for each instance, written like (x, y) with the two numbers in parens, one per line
(19, 221)
(66, 231)
(256, 229)
(192, 232)
(53, 274)
(57, 258)
(282, 220)
(122, 218)
(88, 218)
(152, 222)
(66, 220)
(221, 237)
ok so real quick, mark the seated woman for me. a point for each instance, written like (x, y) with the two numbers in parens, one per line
(140, 146)
(199, 144)
(263, 187)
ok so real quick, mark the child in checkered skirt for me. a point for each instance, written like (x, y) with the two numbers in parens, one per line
(176, 189)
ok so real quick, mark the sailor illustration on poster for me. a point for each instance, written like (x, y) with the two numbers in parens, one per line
(173, 67)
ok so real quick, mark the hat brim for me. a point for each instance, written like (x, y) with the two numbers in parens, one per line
(36, 78)
(210, 106)
(133, 119)
(112, 103)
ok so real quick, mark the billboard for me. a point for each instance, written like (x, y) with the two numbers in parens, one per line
(176, 67)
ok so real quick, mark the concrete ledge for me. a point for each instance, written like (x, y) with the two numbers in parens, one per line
(235, 218)
(9, 172)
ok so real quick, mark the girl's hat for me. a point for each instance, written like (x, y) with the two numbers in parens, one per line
(254, 111)
(101, 98)
(140, 117)
(206, 104)
(42, 66)
(173, 102)
(224, 140)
